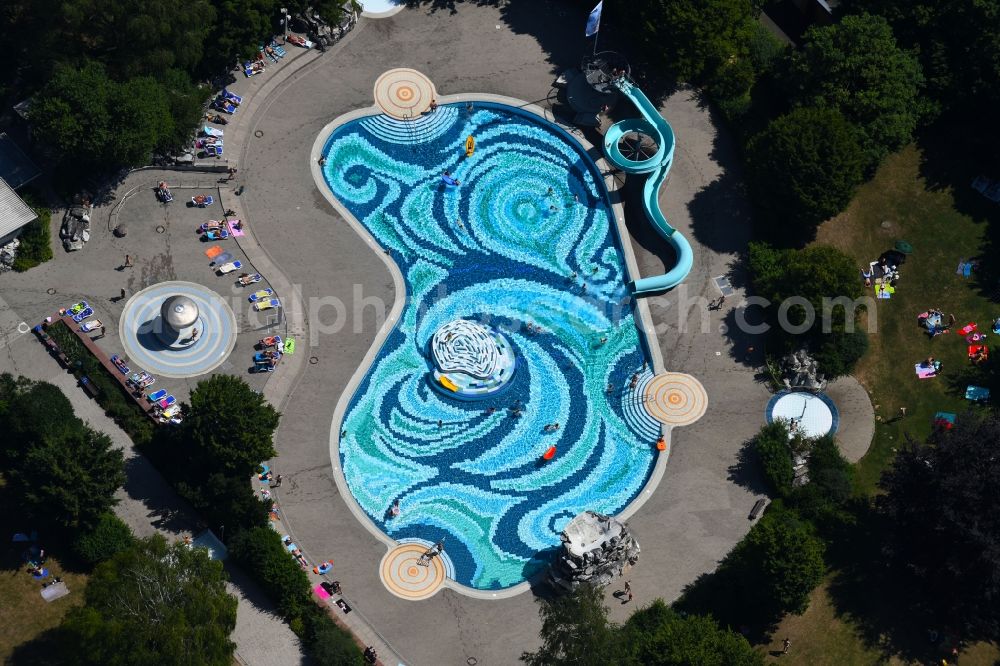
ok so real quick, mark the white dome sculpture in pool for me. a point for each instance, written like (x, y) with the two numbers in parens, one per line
(471, 361)
(808, 414)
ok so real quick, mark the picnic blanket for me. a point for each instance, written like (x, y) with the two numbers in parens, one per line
(213, 251)
(977, 393)
(54, 591)
(924, 372)
(884, 291)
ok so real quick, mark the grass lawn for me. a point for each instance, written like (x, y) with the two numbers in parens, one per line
(24, 615)
(941, 235)
(821, 637)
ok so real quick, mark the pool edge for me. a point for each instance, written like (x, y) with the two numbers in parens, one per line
(646, 330)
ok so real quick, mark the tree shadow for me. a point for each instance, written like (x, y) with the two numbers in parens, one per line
(165, 510)
(48, 648)
(746, 343)
(869, 591)
(746, 472)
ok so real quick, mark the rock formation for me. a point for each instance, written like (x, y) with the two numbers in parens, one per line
(595, 549)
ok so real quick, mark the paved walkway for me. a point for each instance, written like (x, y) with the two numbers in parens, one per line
(857, 417)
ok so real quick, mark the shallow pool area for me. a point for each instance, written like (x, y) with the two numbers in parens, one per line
(525, 244)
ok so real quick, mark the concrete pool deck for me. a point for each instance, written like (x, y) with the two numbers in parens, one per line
(697, 513)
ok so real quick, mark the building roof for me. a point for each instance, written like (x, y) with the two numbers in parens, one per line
(15, 167)
(14, 213)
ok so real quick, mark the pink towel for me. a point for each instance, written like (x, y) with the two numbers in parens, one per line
(233, 230)
(320, 592)
(924, 372)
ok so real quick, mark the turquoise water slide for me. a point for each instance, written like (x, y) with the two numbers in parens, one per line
(657, 167)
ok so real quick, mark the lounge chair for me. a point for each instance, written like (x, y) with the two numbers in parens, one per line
(212, 131)
(211, 225)
(214, 150)
(120, 364)
(270, 341)
(272, 56)
(250, 279)
(92, 325)
(278, 50)
(267, 304)
(166, 402)
(77, 307)
(235, 99)
(258, 295)
(230, 267)
(157, 395)
(83, 314)
(202, 201)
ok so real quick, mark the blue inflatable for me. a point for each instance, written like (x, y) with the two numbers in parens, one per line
(448, 180)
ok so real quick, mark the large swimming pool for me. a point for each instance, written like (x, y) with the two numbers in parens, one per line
(527, 238)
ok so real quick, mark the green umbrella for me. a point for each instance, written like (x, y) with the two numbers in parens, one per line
(904, 247)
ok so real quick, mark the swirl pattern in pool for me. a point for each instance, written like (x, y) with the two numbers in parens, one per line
(527, 238)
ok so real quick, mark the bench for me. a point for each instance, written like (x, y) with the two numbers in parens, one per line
(89, 387)
(757, 508)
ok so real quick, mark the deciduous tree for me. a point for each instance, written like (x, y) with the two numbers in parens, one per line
(939, 505)
(803, 169)
(154, 604)
(856, 67)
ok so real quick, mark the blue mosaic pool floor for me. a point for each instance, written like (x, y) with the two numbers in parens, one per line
(528, 237)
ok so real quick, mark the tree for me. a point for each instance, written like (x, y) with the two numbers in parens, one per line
(958, 44)
(803, 169)
(813, 301)
(69, 481)
(242, 26)
(855, 66)
(62, 471)
(943, 530)
(575, 631)
(660, 636)
(229, 427)
(785, 560)
(90, 119)
(691, 38)
(226, 500)
(154, 603)
(770, 572)
(109, 537)
(260, 549)
(771, 445)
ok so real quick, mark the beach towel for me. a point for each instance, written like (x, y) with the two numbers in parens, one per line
(967, 271)
(320, 592)
(968, 328)
(289, 346)
(233, 230)
(961, 266)
(39, 576)
(884, 291)
(977, 393)
(923, 372)
(213, 251)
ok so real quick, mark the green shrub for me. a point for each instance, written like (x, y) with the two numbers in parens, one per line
(326, 642)
(226, 500)
(260, 550)
(35, 245)
(840, 351)
(730, 88)
(775, 455)
(109, 537)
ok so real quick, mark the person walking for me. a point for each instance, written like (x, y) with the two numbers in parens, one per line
(785, 644)
(628, 592)
(128, 261)
(902, 412)
(277, 481)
